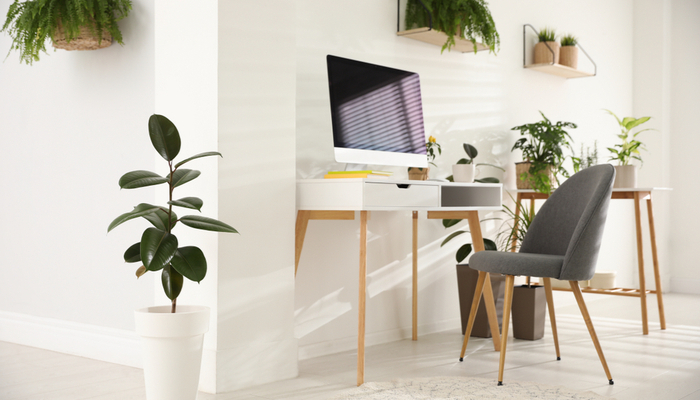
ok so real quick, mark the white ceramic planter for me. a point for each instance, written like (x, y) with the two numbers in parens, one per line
(625, 176)
(603, 280)
(464, 172)
(172, 350)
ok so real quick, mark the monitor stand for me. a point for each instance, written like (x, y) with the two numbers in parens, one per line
(355, 167)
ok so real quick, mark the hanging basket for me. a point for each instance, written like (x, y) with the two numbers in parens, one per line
(84, 41)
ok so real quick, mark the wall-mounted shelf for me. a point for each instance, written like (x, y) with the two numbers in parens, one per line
(558, 69)
(429, 35)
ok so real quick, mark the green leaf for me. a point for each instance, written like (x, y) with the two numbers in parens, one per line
(491, 165)
(470, 150)
(172, 282)
(463, 161)
(137, 179)
(190, 262)
(490, 245)
(207, 224)
(164, 136)
(635, 122)
(139, 211)
(182, 176)
(157, 248)
(447, 223)
(200, 155)
(463, 252)
(140, 271)
(194, 203)
(133, 253)
(159, 219)
(487, 180)
(452, 236)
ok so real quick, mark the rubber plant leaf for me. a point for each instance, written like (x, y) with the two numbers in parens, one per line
(190, 262)
(207, 224)
(470, 150)
(463, 252)
(172, 282)
(182, 176)
(452, 236)
(196, 156)
(448, 223)
(164, 136)
(194, 203)
(138, 211)
(141, 271)
(138, 179)
(133, 253)
(159, 219)
(487, 180)
(157, 248)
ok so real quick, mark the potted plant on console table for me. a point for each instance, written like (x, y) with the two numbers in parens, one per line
(172, 335)
(624, 153)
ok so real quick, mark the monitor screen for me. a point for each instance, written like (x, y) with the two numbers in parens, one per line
(377, 114)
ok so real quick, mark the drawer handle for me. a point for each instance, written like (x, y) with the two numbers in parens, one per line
(403, 185)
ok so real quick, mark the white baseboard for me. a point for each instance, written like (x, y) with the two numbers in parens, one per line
(685, 285)
(105, 344)
(371, 339)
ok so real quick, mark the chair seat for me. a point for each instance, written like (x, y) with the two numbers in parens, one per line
(507, 263)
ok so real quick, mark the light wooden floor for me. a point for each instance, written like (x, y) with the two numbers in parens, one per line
(662, 365)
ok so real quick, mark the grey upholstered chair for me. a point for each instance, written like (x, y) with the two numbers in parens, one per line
(562, 242)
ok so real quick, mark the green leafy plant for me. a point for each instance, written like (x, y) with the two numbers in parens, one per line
(30, 23)
(586, 159)
(159, 249)
(432, 146)
(629, 148)
(543, 145)
(470, 18)
(547, 35)
(568, 40)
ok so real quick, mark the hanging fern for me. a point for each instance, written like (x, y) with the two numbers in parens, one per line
(471, 17)
(30, 23)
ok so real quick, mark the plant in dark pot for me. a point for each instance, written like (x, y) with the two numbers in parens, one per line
(172, 335)
(70, 24)
(469, 19)
(628, 150)
(542, 145)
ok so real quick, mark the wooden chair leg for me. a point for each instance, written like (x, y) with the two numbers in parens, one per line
(472, 313)
(552, 319)
(587, 318)
(507, 303)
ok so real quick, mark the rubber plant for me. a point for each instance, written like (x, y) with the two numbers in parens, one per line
(543, 144)
(470, 17)
(31, 23)
(159, 248)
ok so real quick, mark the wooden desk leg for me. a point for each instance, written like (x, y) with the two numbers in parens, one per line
(415, 275)
(655, 257)
(478, 245)
(640, 257)
(361, 300)
(299, 234)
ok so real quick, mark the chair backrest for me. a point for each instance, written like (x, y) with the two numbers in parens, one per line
(571, 222)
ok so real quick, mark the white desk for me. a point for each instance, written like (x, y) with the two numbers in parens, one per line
(339, 199)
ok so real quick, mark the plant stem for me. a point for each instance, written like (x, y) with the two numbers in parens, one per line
(170, 216)
(173, 306)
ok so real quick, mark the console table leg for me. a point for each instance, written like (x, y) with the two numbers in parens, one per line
(655, 258)
(489, 302)
(415, 275)
(361, 300)
(640, 257)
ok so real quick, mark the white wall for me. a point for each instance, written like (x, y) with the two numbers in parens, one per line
(71, 125)
(466, 98)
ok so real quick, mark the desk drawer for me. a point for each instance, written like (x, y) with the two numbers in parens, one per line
(389, 194)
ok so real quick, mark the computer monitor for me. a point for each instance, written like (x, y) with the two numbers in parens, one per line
(377, 114)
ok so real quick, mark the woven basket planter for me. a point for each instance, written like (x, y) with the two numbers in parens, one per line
(418, 174)
(568, 55)
(84, 41)
(524, 168)
(543, 55)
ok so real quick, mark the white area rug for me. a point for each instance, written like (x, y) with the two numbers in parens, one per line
(459, 388)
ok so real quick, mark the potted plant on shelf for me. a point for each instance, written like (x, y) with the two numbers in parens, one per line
(70, 24)
(547, 48)
(421, 174)
(172, 335)
(628, 150)
(568, 54)
(469, 19)
(543, 145)
(465, 169)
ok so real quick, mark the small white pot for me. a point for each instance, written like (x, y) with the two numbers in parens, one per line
(464, 172)
(172, 350)
(625, 176)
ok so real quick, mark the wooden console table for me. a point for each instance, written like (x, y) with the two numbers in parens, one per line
(339, 199)
(636, 194)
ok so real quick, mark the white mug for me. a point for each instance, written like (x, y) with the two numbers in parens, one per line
(464, 172)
